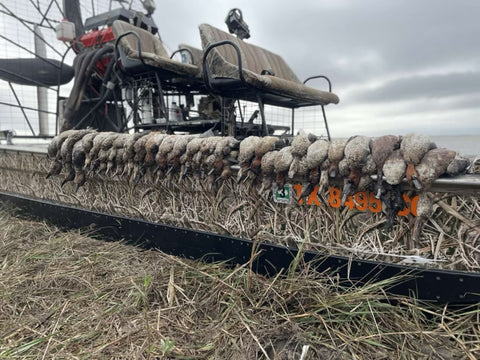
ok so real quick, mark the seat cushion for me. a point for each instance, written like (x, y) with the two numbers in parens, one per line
(173, 66)
(153, 51)
(293, 90)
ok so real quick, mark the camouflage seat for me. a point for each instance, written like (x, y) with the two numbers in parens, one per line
(141, 51)
(236, 69)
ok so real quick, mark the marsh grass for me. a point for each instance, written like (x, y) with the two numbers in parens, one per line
(68, 296)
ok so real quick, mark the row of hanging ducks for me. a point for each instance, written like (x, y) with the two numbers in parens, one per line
(269, 160)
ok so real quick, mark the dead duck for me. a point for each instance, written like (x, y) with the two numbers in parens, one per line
(413, 148)
(433, 164)
(317, 153)
(394, 168)
(222, 151)
(79, 154)
(151, 147)
(268, 170)
(193, 147)
(140, 151)
(63, 156)
(119, 164)
(112, 155)
(67, 154)
(207, 158)
(335, 155)
(101, 162)
(393, 202)
(394, 171)
(209, 164)
(56, 143)
(459, 165)
(245, 155)
(263, 146)
(369, 169)
(87, 142)
(424, 211)
(299, 148)
(91, 156)
(129, 153)
(282, 165)
(474, 167)
(161, 159)
(302, 169)
(324, 176)
(179, 148)
(228, 160)
(118, 144)
(226, 171)
(382, 148)
(196, 162)
(78, 162)
(357, 150)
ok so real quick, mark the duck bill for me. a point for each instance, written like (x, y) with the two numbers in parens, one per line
(306, 190)
(416, 183)
(347, 191)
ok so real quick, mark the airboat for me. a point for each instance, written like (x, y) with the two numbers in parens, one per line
(215, 154)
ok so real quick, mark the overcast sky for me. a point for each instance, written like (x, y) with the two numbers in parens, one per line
(397, 66)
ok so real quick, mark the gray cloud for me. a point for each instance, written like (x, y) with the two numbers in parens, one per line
(422, 86)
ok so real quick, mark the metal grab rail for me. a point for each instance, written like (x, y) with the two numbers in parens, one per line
(206, 69)
(320, 77)
(139, 46)
(187, 51)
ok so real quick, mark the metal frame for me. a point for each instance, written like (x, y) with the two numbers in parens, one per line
(323, 106)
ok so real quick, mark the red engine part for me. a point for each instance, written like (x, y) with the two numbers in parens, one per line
(97, 37)
(102, 64)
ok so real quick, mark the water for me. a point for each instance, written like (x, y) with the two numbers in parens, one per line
(468, 145)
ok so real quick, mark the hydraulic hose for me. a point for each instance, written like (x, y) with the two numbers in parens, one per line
(84, 67)
(89, 70)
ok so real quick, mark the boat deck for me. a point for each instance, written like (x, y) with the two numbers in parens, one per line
(34, 148)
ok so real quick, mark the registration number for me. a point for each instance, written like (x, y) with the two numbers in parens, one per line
(361, 201)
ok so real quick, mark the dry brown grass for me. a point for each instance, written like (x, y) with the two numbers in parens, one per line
(65, 295)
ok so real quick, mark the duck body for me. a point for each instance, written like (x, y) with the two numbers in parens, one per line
(282, 164)
(357, 150)
(382, 148)
(335, 155)
(299, 148)
(433, 164)
(413, 147)
(246, 154)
